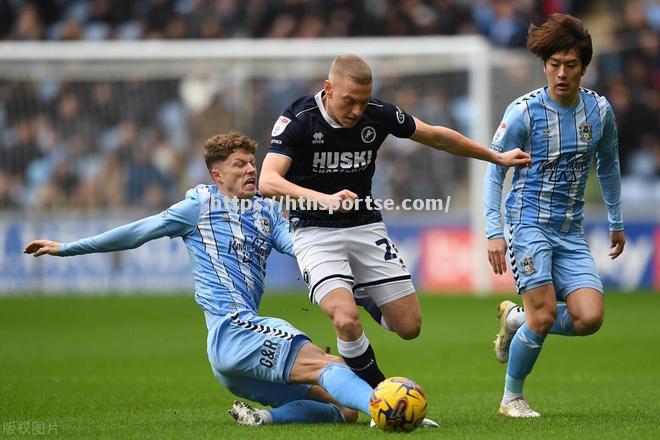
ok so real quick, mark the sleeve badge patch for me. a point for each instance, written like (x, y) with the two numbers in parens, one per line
(499, 134)
(280, 125)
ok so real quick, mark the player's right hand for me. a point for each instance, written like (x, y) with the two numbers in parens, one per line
(42, 247)
(497, 255)
(337, 201)
(515, 157)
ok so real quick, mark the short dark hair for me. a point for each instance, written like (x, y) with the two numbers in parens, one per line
(559, 33)
(221, 146)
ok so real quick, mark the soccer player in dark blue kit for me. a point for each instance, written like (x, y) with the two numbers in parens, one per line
(562, 126)
(256, 357)
(324, 149)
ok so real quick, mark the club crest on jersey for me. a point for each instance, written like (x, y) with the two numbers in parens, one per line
(547, 133)
(368, 134)
(527, 265)
(317, 138)
(280, 125)
(265, 226)
(586, 135)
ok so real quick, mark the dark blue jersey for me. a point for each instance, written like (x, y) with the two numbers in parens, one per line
(328, 158)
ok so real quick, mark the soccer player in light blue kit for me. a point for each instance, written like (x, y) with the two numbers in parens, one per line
(229, 231)
(562, 126)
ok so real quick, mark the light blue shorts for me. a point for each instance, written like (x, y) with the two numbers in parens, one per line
(253, 355)
(539, 256)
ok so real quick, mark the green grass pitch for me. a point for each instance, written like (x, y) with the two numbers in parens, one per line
(136, 367)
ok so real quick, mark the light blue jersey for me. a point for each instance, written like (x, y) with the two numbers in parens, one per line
(562, 142)
(228, 247)
(228, 243)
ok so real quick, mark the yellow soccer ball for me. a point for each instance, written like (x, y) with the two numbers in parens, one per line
(398, 405)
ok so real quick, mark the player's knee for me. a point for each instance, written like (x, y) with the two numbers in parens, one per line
(347, 323)
(589, 324)
(409, 329)
(542, 321)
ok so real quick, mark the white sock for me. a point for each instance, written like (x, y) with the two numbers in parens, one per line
(265, 415)
(383, 323)
(509, 396)
(515, 318)
(353, 349)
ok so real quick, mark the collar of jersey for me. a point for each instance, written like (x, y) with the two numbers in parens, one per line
(575, 108)
(319, 101)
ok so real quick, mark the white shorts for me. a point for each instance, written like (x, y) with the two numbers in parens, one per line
(361, 259)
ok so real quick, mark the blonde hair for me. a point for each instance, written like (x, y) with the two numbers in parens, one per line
(350, 67)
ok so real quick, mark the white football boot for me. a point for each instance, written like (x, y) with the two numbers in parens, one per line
(505, 335)
(428, 423)
(518, 408)
(244, 414)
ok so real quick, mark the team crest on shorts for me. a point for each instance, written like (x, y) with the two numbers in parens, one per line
(586, 135)
(527, 265)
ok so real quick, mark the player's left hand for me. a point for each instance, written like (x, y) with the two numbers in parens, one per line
(515, 157)
(42, 247)
(618, 239)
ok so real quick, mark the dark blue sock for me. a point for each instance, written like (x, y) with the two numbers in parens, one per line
(363, 364)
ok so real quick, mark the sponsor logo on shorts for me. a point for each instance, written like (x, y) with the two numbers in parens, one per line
(270, 353)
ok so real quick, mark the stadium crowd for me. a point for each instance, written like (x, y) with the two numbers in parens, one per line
(106, 144)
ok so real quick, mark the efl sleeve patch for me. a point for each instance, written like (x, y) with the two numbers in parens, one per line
(499, 134)
(280, 125)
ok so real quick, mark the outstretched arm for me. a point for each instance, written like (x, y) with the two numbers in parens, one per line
(121, 238)
(446, 139)
(178, 220)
